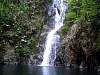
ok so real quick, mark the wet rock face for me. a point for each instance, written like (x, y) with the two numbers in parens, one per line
(10, 56)
(2, 53)
(78, 45)
(67, 52)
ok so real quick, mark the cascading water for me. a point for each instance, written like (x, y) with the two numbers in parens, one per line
(53, 39)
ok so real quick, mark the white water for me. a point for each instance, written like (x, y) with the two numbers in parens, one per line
(52, 39)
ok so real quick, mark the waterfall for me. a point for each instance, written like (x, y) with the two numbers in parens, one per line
(53, 39)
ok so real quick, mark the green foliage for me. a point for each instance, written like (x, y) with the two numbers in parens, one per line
(71, 15)
(86, 8)
(20, 25)
(64, 30)
(82, 8)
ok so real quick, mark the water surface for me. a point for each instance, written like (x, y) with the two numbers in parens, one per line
(37, 70)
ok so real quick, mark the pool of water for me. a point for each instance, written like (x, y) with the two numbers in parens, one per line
(37, 70)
